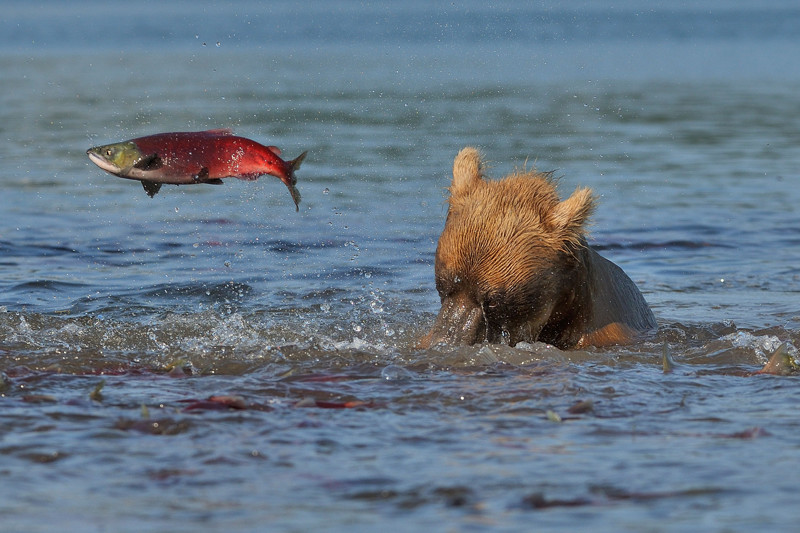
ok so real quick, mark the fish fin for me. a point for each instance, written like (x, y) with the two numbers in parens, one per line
(214, 182)
(294, 164)
(151, 188)
(274, 149)
(220, 131)
(150, 162)
(202, 176)
(780, 363)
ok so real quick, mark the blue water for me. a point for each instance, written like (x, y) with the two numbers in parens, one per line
(683, 118)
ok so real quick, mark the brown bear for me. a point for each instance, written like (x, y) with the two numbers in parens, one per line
(513, 265)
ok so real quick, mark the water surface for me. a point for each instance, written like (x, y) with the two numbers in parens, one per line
(121, 315)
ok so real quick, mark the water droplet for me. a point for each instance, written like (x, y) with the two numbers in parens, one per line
(396, 373)
(326, 191)
(218, 44)
(177, 209)
(357, 328)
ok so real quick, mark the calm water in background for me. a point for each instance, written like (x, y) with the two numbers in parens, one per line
(684, 120)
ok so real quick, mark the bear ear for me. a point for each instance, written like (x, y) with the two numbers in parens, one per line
(572, 215)
(467, 171)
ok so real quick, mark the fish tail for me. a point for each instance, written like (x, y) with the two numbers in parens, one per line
(294, 164)
(780, 363)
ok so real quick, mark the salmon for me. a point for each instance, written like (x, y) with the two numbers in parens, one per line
(185, 158)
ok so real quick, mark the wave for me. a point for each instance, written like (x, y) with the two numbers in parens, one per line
(327, 330)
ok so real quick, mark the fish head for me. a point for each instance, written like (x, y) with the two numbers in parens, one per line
(115, 158)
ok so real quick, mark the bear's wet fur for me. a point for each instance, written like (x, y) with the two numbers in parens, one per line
(512, 265)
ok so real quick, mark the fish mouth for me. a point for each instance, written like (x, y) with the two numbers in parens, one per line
(101, 162)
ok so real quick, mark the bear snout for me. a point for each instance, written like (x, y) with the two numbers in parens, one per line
(459, 322)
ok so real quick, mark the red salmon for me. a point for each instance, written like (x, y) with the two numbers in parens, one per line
(183, 158)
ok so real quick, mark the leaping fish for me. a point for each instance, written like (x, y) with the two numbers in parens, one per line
(189, 157)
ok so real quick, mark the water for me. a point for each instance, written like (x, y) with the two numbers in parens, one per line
(121, 315)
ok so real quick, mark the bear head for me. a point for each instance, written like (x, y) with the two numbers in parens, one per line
(509, 266)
